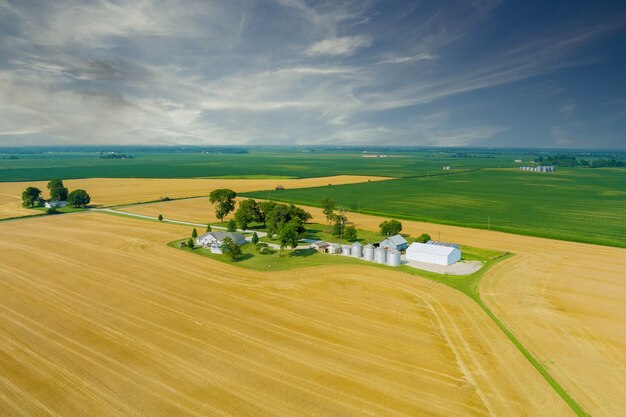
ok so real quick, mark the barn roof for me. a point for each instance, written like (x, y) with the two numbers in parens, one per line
(431, 249)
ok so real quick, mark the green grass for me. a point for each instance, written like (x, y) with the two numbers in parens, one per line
(60, 210)
(584, 205)
(275, 163)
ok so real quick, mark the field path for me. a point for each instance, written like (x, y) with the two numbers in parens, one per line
(106, 320)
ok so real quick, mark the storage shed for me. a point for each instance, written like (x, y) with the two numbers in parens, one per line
(396, 242)
(334, 248)
(431, 253)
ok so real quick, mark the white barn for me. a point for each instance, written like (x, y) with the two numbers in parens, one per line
(216, 238)
(433, 253)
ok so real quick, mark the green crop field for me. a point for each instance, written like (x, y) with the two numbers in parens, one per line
(586, 205)
(256, 163)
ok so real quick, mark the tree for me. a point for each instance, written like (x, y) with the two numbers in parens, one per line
(52, 210)
(248, 212)
(265, 207)
(232, 226)
(30, 195)
(78, 198)
(194, 233)
(290, 233)
(423, 238)
(224, 201)
(208, 227)
(231, 248)
(160, 218)
(190, 243)
(390, 227)
(255, 238)
(328, 208)
(282, 214)
(57, 191)
(350, 234)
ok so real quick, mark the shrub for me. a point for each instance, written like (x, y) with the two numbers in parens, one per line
(52, 210)
(423, 238)
(160, 218)
(255, 238)
(190, 243)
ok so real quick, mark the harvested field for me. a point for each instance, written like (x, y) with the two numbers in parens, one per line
(565, 301)
(107, 320)
(113, 191)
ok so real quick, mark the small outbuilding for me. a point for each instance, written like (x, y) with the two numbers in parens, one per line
(437, 253)
(334, 249)
(396, 242)
(320, 246)
(55, 204)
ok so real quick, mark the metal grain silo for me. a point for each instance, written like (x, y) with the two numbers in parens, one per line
(381, 255)
(393, 258)
(346, 250)
(368, 253)
(357, 250)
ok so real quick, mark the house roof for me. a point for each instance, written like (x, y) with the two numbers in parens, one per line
(431, 249)
(396, 240)
(321, 244)
(335, 245)
(237, 237)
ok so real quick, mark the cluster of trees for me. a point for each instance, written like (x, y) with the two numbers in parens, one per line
(390, 227)
(338, 221)
(572, 161)
(31, 196)
(114, 155)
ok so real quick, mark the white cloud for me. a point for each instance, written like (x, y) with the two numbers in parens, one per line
(339, 46)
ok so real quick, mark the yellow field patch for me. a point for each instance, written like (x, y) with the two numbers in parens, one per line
(113, 191)
(102, 318)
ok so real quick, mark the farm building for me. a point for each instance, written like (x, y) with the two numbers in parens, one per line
(433, 253)
(216, 238)
(320, 246)
(55, 204)
(396, 242)
(334, 248)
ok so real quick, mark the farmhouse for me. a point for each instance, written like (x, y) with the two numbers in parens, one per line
(55, 204)
(438, 253)
(396, 242)
(216, 238)
(320, 246)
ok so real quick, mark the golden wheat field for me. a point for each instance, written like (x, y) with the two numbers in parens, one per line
(105, 320)
(113, 191)
(565, 301)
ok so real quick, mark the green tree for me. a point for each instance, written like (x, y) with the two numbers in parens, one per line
(423, 238)
(208, 227)
(52, 210)
(194, 233)
(282, 214)
(30, 195)
(160, 218)
(290, 233)
(339, 224)
(390, 227)
(57, 191)
(248, 212)
(350, 234)
(78, 198)
(224, 201)
(231, 248)
(231, 226)
(191, 243)
(328, 208)
(265, 207)
(255, 238)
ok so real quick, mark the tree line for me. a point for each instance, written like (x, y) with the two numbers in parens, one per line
(79, 198)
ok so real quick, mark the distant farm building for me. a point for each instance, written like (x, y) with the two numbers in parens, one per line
(55, 204)
(538, 168)
(438, 253)
(334, 249)
(216, 238)
(396, 242)
(447, 168)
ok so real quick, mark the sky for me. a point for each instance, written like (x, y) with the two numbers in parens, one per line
(549, 74)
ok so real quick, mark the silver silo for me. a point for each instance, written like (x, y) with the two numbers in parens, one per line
(368, 253)
(393, 258)
(357, 250)
(346, 250)
(380, 255)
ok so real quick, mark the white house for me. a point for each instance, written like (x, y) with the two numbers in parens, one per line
(216, 238)
(433, 253)
(396, 242)
(55, 204)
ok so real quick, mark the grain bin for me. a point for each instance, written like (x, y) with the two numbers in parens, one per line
(393, 258)
(357, 250)
(368, 253)
(346, 250)
(381, 255)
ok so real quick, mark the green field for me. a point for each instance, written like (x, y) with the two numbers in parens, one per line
(586, 205)
(257, 163)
